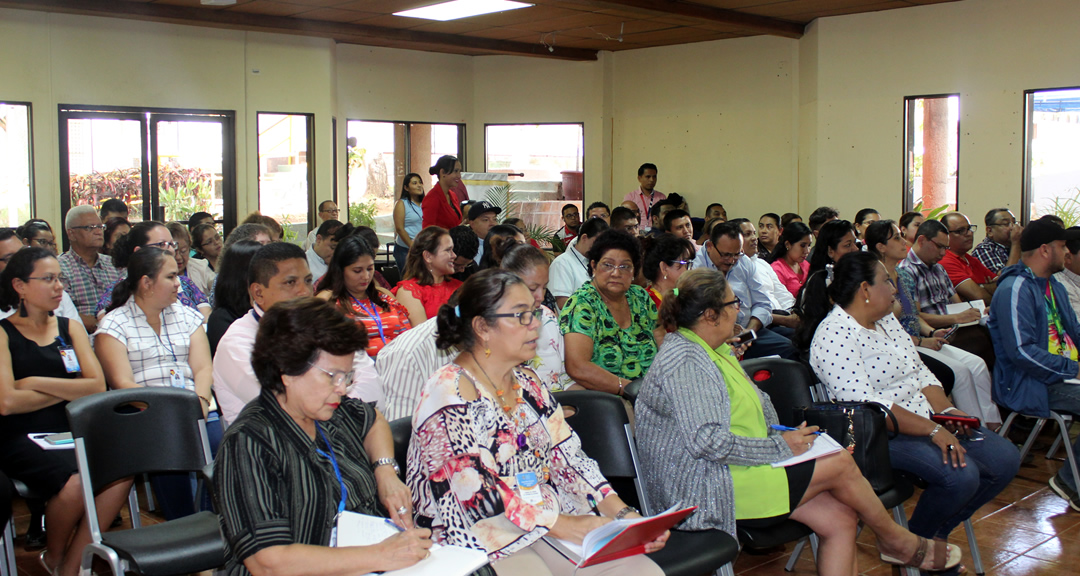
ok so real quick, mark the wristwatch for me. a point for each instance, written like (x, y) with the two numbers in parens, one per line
(387, 462)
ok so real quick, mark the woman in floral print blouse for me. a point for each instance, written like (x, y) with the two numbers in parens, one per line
(492, 463)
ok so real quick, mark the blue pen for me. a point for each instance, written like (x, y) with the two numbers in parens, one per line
(395, 526)
(783, 428)
(592, 504)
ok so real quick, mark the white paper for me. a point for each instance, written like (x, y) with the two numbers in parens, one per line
(823, 446)
(598, 537)
(363, 530)
(961, 306)
(355, 529)
(39, 439)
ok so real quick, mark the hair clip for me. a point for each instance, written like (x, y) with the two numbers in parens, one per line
(675, 291)
(457, 311)
(828, 274)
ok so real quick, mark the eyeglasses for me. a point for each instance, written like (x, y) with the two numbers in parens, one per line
(334, 211)
(964, 230)
(92, 227)
(728, 255)
(214, 240)
(736, 303)
(44, 243)
(611, 268)
(166, 245)
(51, 278)
(338, 378)
(524, 318)
(688, 263)
(940, 247)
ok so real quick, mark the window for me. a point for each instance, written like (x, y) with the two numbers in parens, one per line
(381, 154)
(547, 162)
(1052, 145)
(16, 164)
(164, 164)
(931, 152)
(287, 171)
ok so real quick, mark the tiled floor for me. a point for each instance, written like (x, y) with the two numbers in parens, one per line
(1026, 530)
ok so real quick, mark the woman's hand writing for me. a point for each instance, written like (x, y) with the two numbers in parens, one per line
(801, 439)
(405, 548)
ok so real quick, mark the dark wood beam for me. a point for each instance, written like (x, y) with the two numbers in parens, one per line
(347, 33)
(763, 24)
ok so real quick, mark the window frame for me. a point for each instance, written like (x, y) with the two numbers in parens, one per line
(907, 196)
(582, 124)
(310, 157)
(30, 150)
(148, 116)
(1026, 192)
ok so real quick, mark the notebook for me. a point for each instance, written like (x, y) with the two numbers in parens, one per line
(363, 530)
(619, 538)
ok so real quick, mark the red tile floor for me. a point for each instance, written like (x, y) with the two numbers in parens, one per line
(1026, 530)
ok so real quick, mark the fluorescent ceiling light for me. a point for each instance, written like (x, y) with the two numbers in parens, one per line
(461, 9)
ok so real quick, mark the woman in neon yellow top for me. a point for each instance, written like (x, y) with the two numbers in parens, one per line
(703, 433)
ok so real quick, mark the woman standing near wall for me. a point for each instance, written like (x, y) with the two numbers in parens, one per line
(408, 217)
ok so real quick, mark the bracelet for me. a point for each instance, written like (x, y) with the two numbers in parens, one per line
(625, 510)
(205, 399)
(386, 462)
(949, 409)
(935, 431)
(621, 385)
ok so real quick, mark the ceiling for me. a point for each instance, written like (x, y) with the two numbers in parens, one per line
(564, 29)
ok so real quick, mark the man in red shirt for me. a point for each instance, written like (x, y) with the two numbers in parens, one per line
(973, 280)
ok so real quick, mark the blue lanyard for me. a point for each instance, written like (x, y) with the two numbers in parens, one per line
(168, 347)
(373, 314)
(333, 462)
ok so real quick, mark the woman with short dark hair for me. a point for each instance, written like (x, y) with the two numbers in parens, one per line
(498, 240)
(531, 265)
(485, 418)
(302, 452)
(667, 257)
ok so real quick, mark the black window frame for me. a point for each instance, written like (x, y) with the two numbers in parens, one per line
(907, 197)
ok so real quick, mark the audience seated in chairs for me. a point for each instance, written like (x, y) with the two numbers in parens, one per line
(498, 240)
(1036, 335)
(835, 239)
(780, 298)
(195, 269)
(87, 275)
(278, 473)
(427, 283)
(531, 265)
(231, 299)
(609, 324)
(861, 353)
(466, 247)
(789, 257)
(147, 338)
(969, 277)
(459, 458)
(700, 415)
(1001, 247)
(45, 362)
(349, 284)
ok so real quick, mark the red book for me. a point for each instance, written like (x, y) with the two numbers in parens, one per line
(619, 538)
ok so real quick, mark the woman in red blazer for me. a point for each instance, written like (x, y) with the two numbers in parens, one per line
(441, 205)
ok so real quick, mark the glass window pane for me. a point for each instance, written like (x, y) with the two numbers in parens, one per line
(1053, 147)
(105, 161)
(283, 171)
(190, 169)
(15, 169)
(933, 146)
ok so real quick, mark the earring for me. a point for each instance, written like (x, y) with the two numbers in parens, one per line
(665, 276)
(867, 300)
(22, 308)
(487, 352)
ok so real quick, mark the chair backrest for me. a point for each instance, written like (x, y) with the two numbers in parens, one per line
(128, 432)
(787, 382)
(601, 422)
(401, 429)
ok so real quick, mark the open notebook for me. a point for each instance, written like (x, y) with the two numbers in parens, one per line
(363, 530)
(823, 446)
(619, 538)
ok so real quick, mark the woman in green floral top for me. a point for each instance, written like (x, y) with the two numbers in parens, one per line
(609, 324)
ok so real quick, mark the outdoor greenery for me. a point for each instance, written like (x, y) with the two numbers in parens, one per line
(363, 213)
(1066, 207)
(182, 192)
(933, 214)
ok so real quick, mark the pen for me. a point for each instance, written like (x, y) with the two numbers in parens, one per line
(395, 526)
(592, 504)
(783, 428)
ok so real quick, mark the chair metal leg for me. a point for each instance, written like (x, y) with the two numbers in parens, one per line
(790, 566)
(1004, 430)
(107, 554)
(1064, 431)
(1035, 431)
(7, 563)
(1057, 441)
(973, 545)
(149, 493)
(133, 506)
(726, 570)
(814, 541)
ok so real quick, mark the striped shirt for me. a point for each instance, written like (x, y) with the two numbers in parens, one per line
(153, 356)
(406, 364)
(273, 487)
(933, 289)
(86, 284)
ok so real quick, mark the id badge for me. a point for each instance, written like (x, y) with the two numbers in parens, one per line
(333, 535)
(71, 361)
(529, 488)
(176, 378)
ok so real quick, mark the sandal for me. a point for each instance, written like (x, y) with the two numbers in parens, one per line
(945, 556)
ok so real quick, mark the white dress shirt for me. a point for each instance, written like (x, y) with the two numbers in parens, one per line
(235, 383)
(880, 365)
(316, 264)
(779, 295)
(406, 364)
(568, 272)
(201, 275)
(153, 356)
(1071, 282)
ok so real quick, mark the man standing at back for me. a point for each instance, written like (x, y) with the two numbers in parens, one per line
(87, 274)
(646, 194)
(1035, 334)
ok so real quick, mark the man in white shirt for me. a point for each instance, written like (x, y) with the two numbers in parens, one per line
(779, 296)
(319, 254)
(406, 364)
(646, 194)
(571, 268)
(277, 272)
(328, 210)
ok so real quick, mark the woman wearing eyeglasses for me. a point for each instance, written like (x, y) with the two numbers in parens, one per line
(667, 257)
(38, 234)
(610, 324)
(302, 452)
(147, 338)
(153, 234)
(492, 464)
(45, 362)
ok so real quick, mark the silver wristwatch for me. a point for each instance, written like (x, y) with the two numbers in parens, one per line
(387, 462)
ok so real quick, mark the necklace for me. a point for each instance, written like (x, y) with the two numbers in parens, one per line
(515, 417)
(499, 392)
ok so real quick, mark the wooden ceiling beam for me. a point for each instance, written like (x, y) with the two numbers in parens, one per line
(343, 32)
(742, 20)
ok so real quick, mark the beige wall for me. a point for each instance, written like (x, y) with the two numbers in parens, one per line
(757, 123)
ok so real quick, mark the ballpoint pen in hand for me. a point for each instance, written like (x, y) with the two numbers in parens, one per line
(783, 428)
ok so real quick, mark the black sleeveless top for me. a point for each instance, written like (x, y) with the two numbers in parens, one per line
(29, 359)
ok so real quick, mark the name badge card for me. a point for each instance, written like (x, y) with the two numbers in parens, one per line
(529, 488)
(71, 361)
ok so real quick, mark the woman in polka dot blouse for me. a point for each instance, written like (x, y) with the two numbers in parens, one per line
(861, 353)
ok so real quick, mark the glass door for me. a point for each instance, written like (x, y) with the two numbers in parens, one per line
(105, 159)
(189, 166)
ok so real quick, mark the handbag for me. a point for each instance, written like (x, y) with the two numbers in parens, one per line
(859, 427)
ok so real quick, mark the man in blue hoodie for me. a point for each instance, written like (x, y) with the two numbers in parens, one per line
(1036, 334)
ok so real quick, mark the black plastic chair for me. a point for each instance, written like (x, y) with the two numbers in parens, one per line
(401, 429)
(601, 422)
(125, 433)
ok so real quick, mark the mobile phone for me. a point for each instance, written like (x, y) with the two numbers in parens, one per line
(949, 334)
(969, 421)
(58, 439)
(745, 338)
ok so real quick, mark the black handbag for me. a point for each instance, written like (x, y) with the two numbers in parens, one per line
(859, 427)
